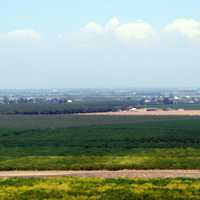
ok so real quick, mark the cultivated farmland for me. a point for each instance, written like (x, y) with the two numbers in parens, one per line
(99, 142)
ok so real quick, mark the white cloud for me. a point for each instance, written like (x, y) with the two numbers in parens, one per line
(138, 30)
(134, 31)
(112, 23)
(189, 28)
(94, 27)
(21, 34)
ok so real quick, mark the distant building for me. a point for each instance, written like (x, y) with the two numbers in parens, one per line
(133, 109)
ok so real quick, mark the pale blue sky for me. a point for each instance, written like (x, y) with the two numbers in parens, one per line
(55, 15)
(88, 43)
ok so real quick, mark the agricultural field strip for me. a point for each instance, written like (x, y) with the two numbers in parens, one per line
(25, 122)
(105, 174)
(145, 143)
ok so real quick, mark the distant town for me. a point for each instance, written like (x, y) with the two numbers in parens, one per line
(135, 96)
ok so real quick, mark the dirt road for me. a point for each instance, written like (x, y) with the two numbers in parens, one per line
(105, 174)
(142, 112)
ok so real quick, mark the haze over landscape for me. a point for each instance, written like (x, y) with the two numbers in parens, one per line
(90, 44)
(99, 100)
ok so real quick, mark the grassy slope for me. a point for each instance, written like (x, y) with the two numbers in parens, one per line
(87, 188)
(144, 142)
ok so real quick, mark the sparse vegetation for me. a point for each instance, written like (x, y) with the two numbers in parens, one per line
(99, 189)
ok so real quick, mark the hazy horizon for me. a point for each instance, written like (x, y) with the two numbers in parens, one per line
(105, 44)
(114, 88)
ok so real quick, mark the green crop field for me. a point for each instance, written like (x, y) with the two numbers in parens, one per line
(27, 122)
(98, 142)
(100, 189)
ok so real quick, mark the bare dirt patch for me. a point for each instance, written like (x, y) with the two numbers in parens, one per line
(143, 112)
